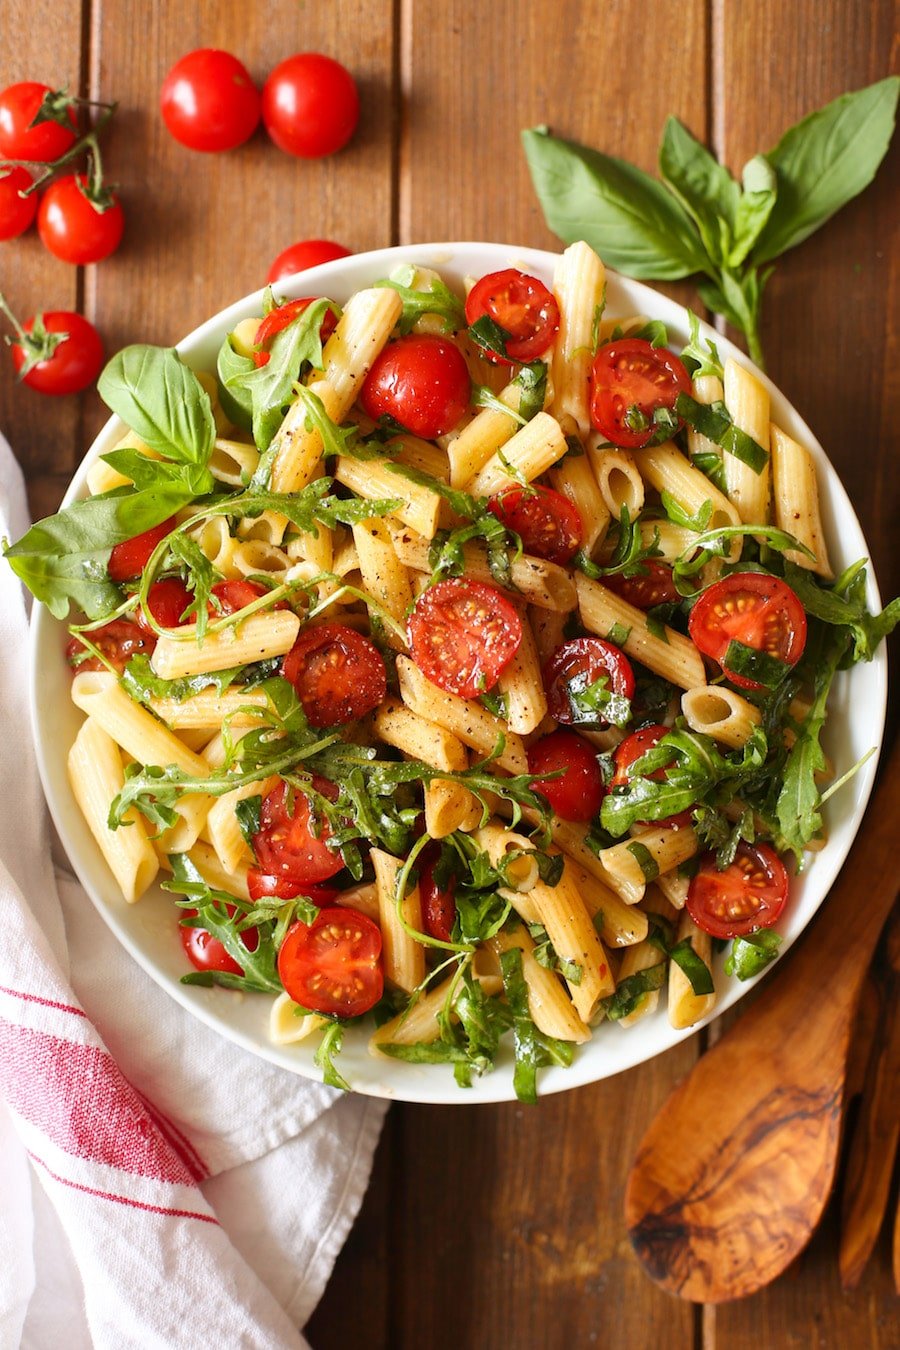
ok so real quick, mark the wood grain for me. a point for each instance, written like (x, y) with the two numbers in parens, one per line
(496, 1226)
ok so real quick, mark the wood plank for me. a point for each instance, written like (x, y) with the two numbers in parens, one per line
(202, 229)
(833, 349)
(507, 1227)
(45, 433)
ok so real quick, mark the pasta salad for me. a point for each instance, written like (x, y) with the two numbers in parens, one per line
(460, 663)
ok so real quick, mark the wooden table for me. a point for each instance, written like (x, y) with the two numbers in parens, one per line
(494, 1227)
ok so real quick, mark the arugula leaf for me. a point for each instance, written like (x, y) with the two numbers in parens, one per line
(335, 440)
(623, 213)
(547, 956)
(702, 185)
(222, 914)
(484, 397)
(533, 381)
(182, 481)
(533, 1049)
(749, 955)
(161, 399)
(271, 387)
(594, 703)
(63, 559)
(701, 355)
(329, 1046)
(142, 684)
(677, 514)
(631, 990)
(437, 299)
(712, 464)
(629, 553)
(848, 610)
(826, 160)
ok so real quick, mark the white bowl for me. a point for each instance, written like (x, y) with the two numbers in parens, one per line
(148, 930)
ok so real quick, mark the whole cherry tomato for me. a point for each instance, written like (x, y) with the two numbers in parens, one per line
(310, 105)
(307, 253)
(577, 795)
(209, 102)
(16, 212)
(58, 353)
(19, 105)
(73, 228)
(421, 381)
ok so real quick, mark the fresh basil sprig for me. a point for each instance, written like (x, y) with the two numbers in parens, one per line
(161, 399)
(699, 219)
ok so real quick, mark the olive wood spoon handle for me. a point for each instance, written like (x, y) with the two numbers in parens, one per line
(733, 1174)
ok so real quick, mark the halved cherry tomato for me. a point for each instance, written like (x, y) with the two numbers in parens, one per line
(548, 523)
(118, 640)
(285, 845)
(522, 306)
(16, 212)
(653, 586)
(579, 793)
(19, 139)
(438, 903)
(263, 885)
(307, 253)
(580, 663)
(167, 601)
(129, 558)
(333, 966)
(631, 374)
(338, 674)
(462, 633)
(755, 609)
(747, 896)
(280, 317)
(72, 228)
(631, 749)
(206, 952)
(421, 381)
(209, 102)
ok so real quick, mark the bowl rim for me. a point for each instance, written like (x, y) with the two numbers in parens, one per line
(396, 1081)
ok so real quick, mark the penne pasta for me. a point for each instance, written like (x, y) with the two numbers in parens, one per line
(673, 656)
(95, 777)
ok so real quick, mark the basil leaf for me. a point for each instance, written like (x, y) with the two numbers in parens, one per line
(161, 399)
(754, 664)
(63, 559)
(760, 185)
(237, 404)
(627, 216)
(631, 990)
(644, 859)
(247, 812)
(701, 355)
(694, 967)
(533, 381)
(714, 421)
(532, 1048)
(704, 187)
(750, 955)
(486, 332)
(826, 160)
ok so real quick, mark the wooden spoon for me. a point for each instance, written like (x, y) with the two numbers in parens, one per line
(733, 1174)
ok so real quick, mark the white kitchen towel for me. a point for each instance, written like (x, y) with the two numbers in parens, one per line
(159, 1186)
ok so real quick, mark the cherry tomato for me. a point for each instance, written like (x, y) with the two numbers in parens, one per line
(16, 212)
(310, 105)
(263, 885)
(279, 318)
(206, 952)
(237, 594)
(300, 256)
(631, 374)
(522, 306)
(73, 228)
(579, 793)
(422, 382)
(747, 896)
(333, 966)
(548, 524)
(19, 105)
(631, 749)
(462, 633)
(755, 609)
(209, 102)
(167, 601)
(285, 845)
(577, 665)
(438, 903)
(653, 586)
(118, 640)
(129, 558)
(68, 368)
(338, 674)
